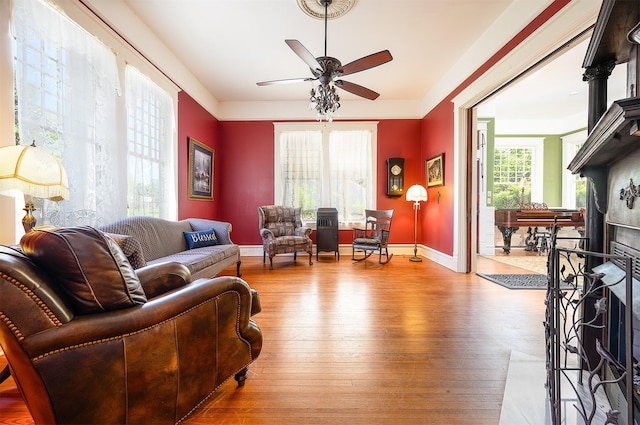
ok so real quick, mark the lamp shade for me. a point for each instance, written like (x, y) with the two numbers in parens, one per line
(417, 193)
(33, 171)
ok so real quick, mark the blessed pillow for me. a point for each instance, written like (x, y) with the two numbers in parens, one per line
(89, 266)
(201, 238)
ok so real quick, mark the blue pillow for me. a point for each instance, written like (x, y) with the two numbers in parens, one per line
(201, 238)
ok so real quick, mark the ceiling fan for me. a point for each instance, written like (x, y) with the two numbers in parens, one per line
(327, 69)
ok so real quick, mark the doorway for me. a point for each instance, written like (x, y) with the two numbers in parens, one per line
(525, 135)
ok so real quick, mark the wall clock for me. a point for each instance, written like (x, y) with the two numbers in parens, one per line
(395, 177)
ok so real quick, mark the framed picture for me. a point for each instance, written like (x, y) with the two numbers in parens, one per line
(435, 171)
(200, 170)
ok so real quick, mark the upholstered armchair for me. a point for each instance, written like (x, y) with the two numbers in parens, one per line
(91, 341)
(282, 232)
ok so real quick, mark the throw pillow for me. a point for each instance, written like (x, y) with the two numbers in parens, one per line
(201, 238)
(131, 248)
(90, 267)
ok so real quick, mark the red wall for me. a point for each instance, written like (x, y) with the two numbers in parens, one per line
(436, 217)
(247, 169)
(248, 176)
(195, 121)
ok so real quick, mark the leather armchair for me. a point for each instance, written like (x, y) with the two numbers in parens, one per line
(151, 362)
(282, 232)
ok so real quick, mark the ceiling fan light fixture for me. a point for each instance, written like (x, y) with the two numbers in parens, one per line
(325, 69)
(325, 100)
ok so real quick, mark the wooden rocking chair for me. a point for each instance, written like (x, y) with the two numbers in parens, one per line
(374, 237)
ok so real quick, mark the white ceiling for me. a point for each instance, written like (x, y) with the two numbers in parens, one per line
(551, 99)
(230, 45)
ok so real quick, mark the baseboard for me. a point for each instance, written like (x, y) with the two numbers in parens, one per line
(397, 249)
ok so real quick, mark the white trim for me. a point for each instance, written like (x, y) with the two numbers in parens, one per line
(569, 143)
(401, 252)
(459, 256)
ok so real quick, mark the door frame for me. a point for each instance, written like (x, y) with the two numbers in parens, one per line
(566, 28)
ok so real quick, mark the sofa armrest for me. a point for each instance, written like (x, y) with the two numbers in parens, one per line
(182, 344)
(120, 324)
(159, 278)
(222, 229)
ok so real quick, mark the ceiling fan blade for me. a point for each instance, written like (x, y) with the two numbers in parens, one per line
(287, 81)
(304, 54)
(357, 89)
(366, 62)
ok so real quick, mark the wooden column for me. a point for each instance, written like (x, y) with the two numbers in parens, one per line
(596, 76)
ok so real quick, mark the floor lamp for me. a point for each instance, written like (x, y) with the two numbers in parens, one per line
(34, 172)
(416, 194)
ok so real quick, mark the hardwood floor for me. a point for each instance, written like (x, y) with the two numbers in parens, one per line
(360, 343)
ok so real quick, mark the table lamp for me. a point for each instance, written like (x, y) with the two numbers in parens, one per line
(34, 172)
(416, 194)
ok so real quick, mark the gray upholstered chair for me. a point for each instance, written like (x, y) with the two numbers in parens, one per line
(374, 237)
(282, 232)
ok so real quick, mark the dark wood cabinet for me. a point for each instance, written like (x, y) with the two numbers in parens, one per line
(327, 231)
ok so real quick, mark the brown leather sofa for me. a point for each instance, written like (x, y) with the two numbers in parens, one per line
(90, 340)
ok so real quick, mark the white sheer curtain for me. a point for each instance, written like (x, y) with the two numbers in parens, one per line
(329, 167)
(67, 85)
(150, 130)
(301, 170)
(350, 173)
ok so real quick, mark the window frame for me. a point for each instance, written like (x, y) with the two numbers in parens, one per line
(325, 129)
(536, 144)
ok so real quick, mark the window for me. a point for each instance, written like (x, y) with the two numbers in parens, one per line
(150, 188)
(328, 166)
(517, 165)
(66, 88)
(119, 153)
(574, 187)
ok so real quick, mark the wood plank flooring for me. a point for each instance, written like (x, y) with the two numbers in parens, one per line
(360, 343)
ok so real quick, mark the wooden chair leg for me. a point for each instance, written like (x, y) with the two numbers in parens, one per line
(366, 254)
(388, 257)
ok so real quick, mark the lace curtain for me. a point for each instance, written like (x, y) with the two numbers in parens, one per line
(301, 171)
(67, 85)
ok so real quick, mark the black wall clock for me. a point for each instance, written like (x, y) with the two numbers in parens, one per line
(395, 177)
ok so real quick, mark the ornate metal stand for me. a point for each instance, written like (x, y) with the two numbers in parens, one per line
(569, 370)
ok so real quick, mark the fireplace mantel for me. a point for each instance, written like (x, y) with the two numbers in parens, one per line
(610, 140)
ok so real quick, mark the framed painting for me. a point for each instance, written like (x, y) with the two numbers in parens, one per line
(200, 170)
(435, 170)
